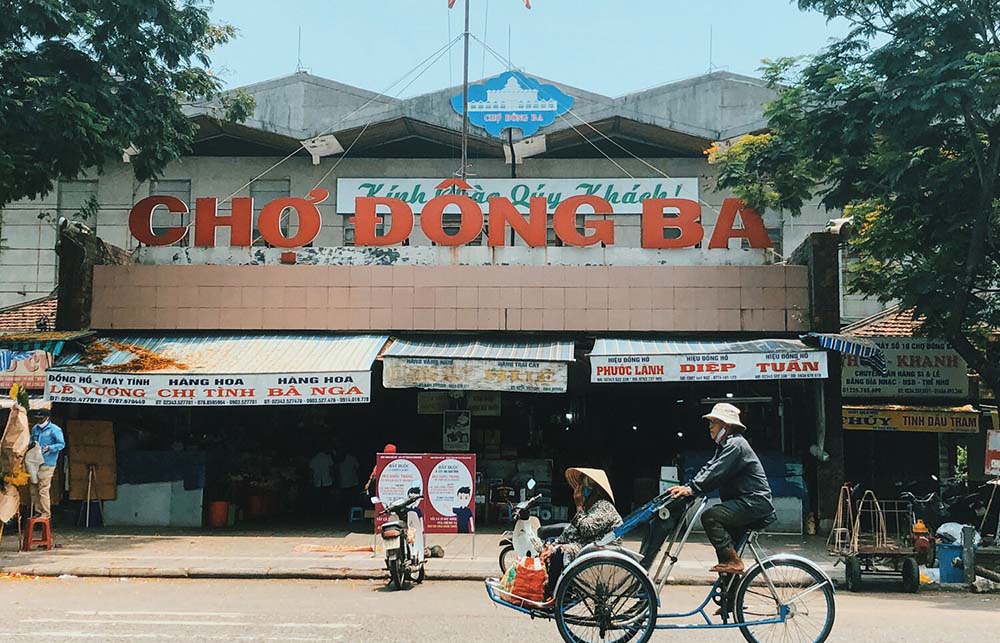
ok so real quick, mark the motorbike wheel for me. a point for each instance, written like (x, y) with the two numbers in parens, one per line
(418, 577)
(911, 576)
(506, 558)
(397, 574)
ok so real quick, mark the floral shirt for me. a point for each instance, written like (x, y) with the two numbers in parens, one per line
(588, 526)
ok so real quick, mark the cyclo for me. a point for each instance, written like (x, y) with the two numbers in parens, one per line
(609, 595)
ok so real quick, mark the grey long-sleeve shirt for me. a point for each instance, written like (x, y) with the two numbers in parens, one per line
(735, 471)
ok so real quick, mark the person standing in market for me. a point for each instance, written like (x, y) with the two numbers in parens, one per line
(321, 468)
(736, 471)
(349, 479)
(49, 438)
(371, 487)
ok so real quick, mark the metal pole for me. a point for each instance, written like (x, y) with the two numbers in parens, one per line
(465, 98)
(513, 158)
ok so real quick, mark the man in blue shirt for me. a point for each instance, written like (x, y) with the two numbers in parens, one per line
(49, 438)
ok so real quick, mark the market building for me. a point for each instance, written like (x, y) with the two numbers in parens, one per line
(581, 306)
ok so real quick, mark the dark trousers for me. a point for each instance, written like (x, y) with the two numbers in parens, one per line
(556, 563)
(726, 523)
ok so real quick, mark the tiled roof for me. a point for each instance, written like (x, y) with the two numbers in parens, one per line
(891, 322)
(24, 317)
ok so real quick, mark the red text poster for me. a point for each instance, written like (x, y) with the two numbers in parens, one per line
(447, 482)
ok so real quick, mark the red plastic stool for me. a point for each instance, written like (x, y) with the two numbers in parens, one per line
(30, 542)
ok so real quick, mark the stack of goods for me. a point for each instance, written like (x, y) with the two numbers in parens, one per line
(13, 446)
(524, 582)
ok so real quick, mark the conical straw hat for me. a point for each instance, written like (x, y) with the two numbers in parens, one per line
(575, 475)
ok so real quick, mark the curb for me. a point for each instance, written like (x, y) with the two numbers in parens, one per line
(345, 573)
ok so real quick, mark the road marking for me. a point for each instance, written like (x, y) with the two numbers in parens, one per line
(137, 613)
(119, 621)
(202, 637)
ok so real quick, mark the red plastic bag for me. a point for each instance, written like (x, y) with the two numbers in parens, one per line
(529, 581)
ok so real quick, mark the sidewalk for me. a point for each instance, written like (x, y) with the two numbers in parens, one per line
(173, 553)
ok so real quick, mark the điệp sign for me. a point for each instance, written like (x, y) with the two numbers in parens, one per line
(208, 390)
(708, 367)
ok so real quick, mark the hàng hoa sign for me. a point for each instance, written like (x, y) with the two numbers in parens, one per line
(527, 216)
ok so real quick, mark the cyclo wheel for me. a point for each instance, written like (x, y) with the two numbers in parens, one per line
(803, 591)
(605, 600)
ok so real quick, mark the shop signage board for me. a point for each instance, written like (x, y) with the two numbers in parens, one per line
(457, 431)
(447, 482)
(208, 390)
(25, 368)
(708, 367)
(474, 374)
(993, 453)
(918, 368)
(625, 196)
(910, 419)
(522, 209)
(513, 100)
(482, 403)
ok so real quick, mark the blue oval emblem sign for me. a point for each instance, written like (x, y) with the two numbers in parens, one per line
(513, 100)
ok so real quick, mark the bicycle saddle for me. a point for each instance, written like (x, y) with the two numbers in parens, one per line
(761, 525)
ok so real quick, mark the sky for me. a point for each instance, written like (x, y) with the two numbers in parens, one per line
(611, 47)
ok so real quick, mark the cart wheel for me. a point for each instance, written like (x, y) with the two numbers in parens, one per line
(911, 576)
(852, 574)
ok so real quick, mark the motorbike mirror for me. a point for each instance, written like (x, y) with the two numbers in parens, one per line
(375, 500)
(531, 484)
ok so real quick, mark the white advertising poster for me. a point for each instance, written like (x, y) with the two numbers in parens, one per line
(208, 390)
(474, 374)
(457, 435)
(708, 367)
(918, 367)
(993, 453)
(624, 195)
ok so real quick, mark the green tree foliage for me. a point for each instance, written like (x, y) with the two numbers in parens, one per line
(898, 125)
(83, 80)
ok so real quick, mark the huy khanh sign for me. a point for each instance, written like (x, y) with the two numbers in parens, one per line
(258, 389)
(911, 419)
(523, 208)
(918, 368)
(708, 367)
(474, 374)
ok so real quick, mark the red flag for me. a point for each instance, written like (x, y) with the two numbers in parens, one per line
(451, 3)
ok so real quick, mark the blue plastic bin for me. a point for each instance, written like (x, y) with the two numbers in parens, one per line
(949, 573)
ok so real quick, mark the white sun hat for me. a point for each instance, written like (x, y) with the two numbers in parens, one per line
(725, 413)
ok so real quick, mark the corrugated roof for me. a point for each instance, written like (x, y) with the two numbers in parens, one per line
(693, 347)
(891, 322)
(227, 354)
(521, 351)
(26, 316)
(48, 341)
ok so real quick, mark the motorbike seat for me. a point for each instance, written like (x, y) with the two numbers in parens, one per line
(552, 531)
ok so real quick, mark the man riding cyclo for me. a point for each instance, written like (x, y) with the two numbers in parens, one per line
(736, 472)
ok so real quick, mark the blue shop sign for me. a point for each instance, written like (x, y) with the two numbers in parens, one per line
(513, 100)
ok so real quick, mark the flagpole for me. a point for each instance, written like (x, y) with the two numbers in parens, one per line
(465, 99)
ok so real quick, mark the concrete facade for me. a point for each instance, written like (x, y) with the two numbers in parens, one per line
(770, 299)
(415, 137)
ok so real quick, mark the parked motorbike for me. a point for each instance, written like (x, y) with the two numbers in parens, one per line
(528, 533)
(402, 538)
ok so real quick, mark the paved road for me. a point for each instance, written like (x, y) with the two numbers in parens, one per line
(48, 609)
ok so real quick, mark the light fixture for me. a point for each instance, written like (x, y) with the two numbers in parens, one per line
(635, 428)
(729, 395)
(326, 145)
(680, 434)
(525, 148)
(569, 416)
(679, 402)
